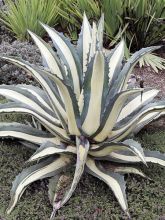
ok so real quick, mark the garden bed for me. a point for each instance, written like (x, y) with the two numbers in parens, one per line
(92, 198)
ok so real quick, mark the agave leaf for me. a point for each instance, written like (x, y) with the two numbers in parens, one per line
(100, 33)
(106, 148)
(55, 68)
(136, 149)
(81, 101)
(48, 54)
(129, 169)
(39, 94)
(115, 60)
(146, 120)
(82, 151)
(48, 148)
(52, 187)
(113, 180)
(58, 185)
(136, 103)
(47, 168)
(127, 69)
(155, 157)
(22, 108)
(128, 157)
(93, 46)
(47, 85)
(94, 89)
(120, 80)
(84, 41)
(111, 114)
(124, 169)
(29, 144)
(25, 132)
(127, 125)
(20, 95)
(71, 106)
(67, 53)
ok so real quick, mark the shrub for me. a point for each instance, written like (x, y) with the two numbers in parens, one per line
(146, 26)
(25, 14)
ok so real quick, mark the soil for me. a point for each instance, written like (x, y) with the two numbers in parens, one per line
(156, 81)
(152, 79)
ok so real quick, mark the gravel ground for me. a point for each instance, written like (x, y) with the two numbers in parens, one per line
(10, 74)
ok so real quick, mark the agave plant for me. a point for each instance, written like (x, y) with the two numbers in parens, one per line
(87, 108)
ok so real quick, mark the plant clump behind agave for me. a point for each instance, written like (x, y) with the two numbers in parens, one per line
(87, 109)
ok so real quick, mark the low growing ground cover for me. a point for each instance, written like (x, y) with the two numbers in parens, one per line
(92, 199)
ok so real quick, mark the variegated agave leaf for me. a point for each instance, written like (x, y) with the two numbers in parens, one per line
(87, 111)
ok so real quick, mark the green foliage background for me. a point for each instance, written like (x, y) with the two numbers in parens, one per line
(141, 22)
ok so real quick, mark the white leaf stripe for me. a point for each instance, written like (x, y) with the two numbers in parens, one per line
(48, 54)
(136, 148)
(96, 95)
(107, 148)
(114, 181)
(146, 120)
(20, 108)
(127, 69)
(111, 114)
(71, 106)
(155, 157)
(147, 109)
(39, 94)
(115, 60)
(120, 80)
(20, 95)
(45, 82)
(84, 41)
(125, 169)
(135, 103)
(128, 124)
(81, 101)
(127, 157)
(93, 42)
(100, 33)
(82, 145)
(68, 54)
(24, 132)
(48, 168)
(48, 148)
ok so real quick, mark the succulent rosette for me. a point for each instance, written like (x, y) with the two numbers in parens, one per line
(87, 110)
